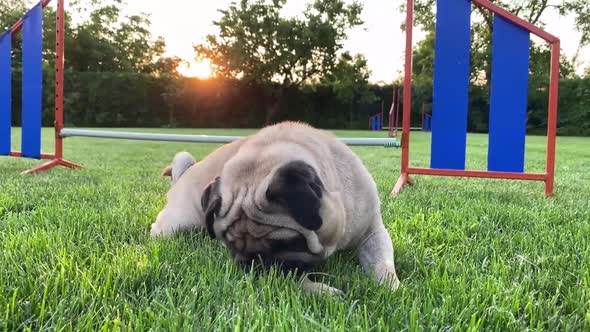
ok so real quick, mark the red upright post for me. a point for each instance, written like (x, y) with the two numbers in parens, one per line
(390, 120)
(59, 77)
(552, 117)
(404, 177)
(393, 112)
(392, 129)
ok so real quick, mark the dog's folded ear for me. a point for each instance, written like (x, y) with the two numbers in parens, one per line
(211, 203)
(297, 187)
(167, 171)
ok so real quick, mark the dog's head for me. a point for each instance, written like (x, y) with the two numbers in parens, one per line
(273, 213)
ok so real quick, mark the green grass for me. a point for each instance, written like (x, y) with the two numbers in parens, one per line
(75, 253)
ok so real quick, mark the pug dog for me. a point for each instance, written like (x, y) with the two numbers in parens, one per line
(289, 196)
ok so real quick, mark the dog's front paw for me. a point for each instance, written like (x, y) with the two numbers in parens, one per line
(313, 287)
(155, 231)
(385, 274)
(160, 230)
(162, 226)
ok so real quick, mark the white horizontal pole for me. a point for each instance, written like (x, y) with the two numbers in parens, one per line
(65, 132)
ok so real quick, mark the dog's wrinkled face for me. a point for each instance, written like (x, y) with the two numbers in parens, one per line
(271, 219)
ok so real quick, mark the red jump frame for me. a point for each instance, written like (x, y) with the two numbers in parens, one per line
(548, 176)
(55, 159)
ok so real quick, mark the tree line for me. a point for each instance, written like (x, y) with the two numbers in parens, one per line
(269, 68)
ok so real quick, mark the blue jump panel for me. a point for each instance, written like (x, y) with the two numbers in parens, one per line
(32, 82)
(508, 100)
(5, 92)
(451, 84)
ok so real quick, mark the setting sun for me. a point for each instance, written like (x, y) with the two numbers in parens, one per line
(201, 69)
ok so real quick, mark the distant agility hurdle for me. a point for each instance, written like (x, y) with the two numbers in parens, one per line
(376, 122)
(508, 100)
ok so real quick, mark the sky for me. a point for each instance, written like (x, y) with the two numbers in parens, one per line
(186, 22)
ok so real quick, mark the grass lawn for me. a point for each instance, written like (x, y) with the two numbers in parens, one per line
(75, 253)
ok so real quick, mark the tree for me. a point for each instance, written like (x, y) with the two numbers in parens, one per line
(109, 41)
(350, 81)
(259, 45)
(10, 11)
(423, 60)
(105, 41)
(581, 10)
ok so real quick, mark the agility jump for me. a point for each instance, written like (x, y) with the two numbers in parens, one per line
(510, 53)
(31, 26)
(508, 100)
(376, 121)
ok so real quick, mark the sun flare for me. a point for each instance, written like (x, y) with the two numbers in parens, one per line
(201, 69)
